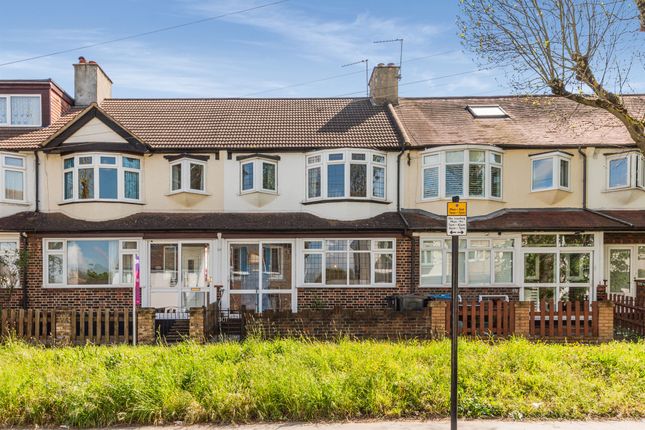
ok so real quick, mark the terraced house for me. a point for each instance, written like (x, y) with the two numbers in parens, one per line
(291, 204)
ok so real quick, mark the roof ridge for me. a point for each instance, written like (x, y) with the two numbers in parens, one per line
(229, 98)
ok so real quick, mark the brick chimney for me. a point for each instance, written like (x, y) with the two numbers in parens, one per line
(384, 84)
(91, 84)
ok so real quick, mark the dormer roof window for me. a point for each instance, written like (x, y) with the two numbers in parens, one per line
(20, 110)
(487, 111)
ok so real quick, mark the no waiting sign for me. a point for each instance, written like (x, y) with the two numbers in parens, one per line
(456, 224)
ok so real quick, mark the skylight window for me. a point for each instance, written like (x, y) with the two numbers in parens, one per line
(487, 111)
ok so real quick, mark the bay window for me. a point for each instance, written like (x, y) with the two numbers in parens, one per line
(472, 173)
(13, 178)
(354, 174)
(106, 177)
(20, 110)
(187, 175)
(482, 261)
(625, 170)
(258, 175)
(348, 263)
(550, 171)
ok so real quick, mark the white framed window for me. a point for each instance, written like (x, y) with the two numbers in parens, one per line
(557, 267)
(626, 170)
(482, 261)
(14, 177)
(487, 111)
(9, 268)
(349, 262)
(89, 262)
(188, 175)
(342, 174)
(551, 171)
(470, 173)
(258, 175)
(102, 177)
(20, 110)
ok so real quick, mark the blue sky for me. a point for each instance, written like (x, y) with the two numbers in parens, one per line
(250, 54)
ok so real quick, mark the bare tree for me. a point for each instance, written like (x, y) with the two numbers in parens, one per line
(582, 50)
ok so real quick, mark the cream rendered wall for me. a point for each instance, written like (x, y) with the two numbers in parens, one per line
(9, 208)
(292, 192)
(516, 185)
(598, 195)
(95, 131)
(155, 191)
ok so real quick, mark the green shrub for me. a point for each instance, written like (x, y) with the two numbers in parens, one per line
(304, 381)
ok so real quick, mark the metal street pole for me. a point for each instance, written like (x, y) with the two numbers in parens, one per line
(453, 335)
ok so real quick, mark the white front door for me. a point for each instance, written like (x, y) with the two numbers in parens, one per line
(625, 263)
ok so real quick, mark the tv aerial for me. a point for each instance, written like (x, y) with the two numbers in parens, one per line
(400, 40)
(366, 61)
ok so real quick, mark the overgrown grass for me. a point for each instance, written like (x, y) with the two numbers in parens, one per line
(303, 381)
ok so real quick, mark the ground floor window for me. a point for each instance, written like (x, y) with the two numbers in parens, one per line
(349, 262)
(625, 263)
(9, 264)
(89, 262)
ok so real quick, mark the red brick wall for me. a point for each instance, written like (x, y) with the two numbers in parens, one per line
(61, 298)
(624, 238)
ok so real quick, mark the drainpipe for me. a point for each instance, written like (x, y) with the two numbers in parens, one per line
(25, 295)
(37, 193)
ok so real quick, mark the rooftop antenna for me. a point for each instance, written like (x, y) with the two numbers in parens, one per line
(367, 85)
(400, 40)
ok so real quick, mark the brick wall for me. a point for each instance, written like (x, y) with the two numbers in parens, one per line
(624, 238)
(62, 298)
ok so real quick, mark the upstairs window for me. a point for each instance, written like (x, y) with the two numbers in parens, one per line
(187, 175)
(20, 111)
(13, 178)
(106, 177)
(258, 175)
(625, 171)
(346, 174)
(550, 172)
(465, 173)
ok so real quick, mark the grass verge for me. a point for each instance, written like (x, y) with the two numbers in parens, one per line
(304, 381)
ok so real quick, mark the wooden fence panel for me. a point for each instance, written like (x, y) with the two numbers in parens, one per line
(34, 325)
(629, 314)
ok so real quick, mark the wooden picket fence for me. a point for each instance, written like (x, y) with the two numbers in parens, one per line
(101, 326)
(31, 324)
(576, 319)
(486, 318)
(629, 313)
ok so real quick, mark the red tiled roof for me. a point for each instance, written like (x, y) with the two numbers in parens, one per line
(533, 121)
(31, 138)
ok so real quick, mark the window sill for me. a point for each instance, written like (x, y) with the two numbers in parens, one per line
(346, 200)
(16, 202)
(566, 190)
(196, 192)
(615, 190)
(125, 202)
(20, 125)
(471, 286)
(268, 192)
(448, 199)
(93, 287)
(331, 287)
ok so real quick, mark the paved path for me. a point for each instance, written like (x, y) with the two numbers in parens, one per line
(428, 425)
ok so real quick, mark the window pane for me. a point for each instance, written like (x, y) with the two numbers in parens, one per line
(85, 183)
(107, 183)
(461, 264)
(313, 182)
(431, 267)
(378, 182)
(378, 158)
(536, 295)
(430, 182)
(197, 177)
(3, 110)
(479, 267)
(127, 269)
(477, 156)
(268, 176)
(313, 159)
(479, 243)
(495, 158)
(129, 245)
(247, 176)
(539, 268)
(455, 157)
(108, 160)
(176, 176)
(640, 263)
(358, 180)
(454, 180)
(92, 262)
(54, 245)
(574, 294)
(335, 157)
(537, 240)
(336, 245)
(85, 160)
(618, 173)
(572, 240)
(13, 185)
(431, 159)
(336, 268)
(25, 110)
(564, 173)
(542, 174)
(384, 244)
(496, 182)
(358, 157)
(313, 268)
(360, 245)
(131, 185)
(336, 180)
(503, 243)
(55, 269)
(131, 163)
(68, 164)
(313, 244)
(574, 268)
(504, 267)
(383, 269)
(619, 270)
(476, 179)
(359, 268)
(14, 161)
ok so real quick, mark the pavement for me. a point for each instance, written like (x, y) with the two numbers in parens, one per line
(425, 425)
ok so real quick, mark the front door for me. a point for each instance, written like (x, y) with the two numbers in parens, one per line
(261, 276)
(625, 264)
(179, 275)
